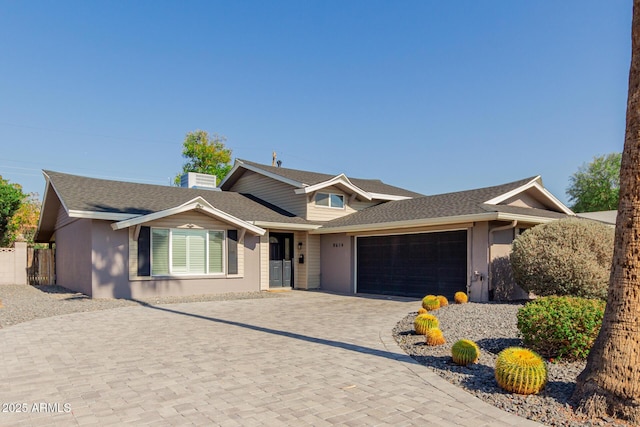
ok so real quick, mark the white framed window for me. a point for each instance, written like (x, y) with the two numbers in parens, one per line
(330, 200)
(179, 252)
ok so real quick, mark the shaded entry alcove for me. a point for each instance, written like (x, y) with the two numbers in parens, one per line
(280, 260)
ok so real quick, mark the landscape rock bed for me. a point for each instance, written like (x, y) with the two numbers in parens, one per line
(493, 326)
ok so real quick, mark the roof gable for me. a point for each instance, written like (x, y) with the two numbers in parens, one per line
(198, 204)
(307, 182)
(468, 205)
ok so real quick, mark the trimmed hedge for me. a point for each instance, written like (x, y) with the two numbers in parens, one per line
(566, 257)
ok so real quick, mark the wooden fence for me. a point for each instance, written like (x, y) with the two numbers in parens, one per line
(41, 266)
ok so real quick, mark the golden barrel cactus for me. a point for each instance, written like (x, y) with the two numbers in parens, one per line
(443, 300)
(434, 337)
(430, 302)
(519, 370)
(460, 298)
(424, 322)
(465, 352)
(422, 310)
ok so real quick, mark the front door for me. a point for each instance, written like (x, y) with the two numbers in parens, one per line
(280, 256)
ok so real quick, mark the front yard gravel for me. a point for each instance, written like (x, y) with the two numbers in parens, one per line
(493, 326)
(21, 303)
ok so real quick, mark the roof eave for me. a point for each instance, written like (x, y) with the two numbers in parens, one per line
(389, 197)
(427, 222)
(286, 225)
(412, 223)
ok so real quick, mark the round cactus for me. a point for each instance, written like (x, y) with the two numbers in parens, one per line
(434, 337)
(430, 302)
(460, 298)
(519, 370)
(443, 300)
(424, 322)
(422, 310)
(465, 352)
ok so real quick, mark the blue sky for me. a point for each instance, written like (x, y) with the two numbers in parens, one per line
(433, 96)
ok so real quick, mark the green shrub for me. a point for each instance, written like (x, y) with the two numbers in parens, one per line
(561, 327)
(566, 257)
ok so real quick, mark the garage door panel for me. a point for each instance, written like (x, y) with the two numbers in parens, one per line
(413, 264)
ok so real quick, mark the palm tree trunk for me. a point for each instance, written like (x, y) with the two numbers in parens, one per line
(610, 383)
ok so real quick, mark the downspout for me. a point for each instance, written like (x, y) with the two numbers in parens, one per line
(513, 224)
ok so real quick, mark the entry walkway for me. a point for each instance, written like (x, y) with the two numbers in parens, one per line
(304, 359)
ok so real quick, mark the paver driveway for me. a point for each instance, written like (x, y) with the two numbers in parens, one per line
(304, 359)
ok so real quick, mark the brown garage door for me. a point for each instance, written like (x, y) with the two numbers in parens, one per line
(413, 265)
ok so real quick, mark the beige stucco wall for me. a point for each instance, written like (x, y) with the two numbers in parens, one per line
(109, 260)
(502, 283)
(74, 256)
(13, 265)
(337, 263)
(478, 262)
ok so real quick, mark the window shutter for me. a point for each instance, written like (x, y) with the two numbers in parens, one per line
(144, 252)
(232, 251)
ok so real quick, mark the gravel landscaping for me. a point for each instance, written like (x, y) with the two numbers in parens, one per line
(21, 303)
(493, 327)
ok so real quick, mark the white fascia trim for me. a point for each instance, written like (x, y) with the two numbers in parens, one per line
(381, 196)
(425, 222)
(338, 179)
(489, 216)
(524, 218)
(261, 172)
(197, 203)
(286, 226)
(534, 183)
(113, 216)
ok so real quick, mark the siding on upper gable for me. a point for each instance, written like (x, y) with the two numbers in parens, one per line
(312, 259)
(524, 200)
(264, 262)
(325, 213)
(272, 191)
(300, 270)
(63, 219)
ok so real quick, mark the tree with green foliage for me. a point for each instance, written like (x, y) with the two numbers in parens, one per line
(205, 154)
(11, 196)
(23, 224)
(595, 186)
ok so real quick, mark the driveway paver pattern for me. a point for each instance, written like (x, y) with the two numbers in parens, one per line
(308, 358)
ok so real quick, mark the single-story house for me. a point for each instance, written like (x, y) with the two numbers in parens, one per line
(266, 227)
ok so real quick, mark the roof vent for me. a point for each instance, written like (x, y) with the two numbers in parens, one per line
(200, 181)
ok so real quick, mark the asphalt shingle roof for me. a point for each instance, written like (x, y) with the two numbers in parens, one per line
(99, 195)
(312, 178)
(459, 203)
